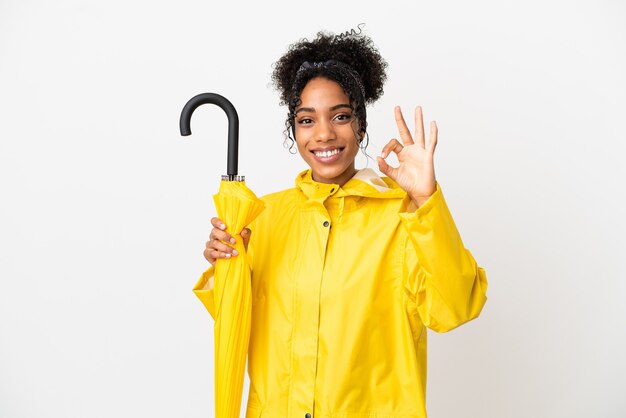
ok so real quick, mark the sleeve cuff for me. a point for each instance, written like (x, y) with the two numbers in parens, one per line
(206, 296)
(417, 213)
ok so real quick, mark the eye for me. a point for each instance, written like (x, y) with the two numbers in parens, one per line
(305, 121)
(343, 117)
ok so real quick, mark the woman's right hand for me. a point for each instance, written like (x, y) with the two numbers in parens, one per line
(217, 246)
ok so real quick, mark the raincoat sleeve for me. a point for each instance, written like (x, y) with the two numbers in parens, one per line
(202, 291)
(441, 276)
(201, 288)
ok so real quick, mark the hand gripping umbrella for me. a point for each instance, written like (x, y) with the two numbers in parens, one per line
(237, 206)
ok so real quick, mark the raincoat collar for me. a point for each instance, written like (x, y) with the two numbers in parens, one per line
(365, 183)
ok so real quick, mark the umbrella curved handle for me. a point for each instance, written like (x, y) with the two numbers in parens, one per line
(233, 124)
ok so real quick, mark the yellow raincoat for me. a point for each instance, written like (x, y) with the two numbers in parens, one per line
(345, 281)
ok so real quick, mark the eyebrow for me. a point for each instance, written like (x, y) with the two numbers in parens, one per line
(312, 109)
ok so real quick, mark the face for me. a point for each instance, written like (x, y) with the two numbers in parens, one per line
(325, 128)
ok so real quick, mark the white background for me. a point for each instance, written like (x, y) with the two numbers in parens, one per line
(105, 209)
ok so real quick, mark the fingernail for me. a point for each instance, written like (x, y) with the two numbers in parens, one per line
(222, 226)
(244, 232)
(232, 240)
(384, 154)
(235, 252)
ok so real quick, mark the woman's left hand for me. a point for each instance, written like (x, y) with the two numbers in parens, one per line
(416, 172)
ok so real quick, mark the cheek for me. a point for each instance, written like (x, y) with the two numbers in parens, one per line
(300, 144)
(354, 150)
(301, 137)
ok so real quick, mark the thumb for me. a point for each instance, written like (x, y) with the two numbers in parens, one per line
(385, 168)
(245, 236)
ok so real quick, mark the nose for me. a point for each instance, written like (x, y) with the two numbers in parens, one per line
(325, 131)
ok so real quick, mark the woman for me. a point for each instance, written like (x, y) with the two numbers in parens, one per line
(348, 268)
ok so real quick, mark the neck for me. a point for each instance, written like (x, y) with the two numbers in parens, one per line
(341, 180)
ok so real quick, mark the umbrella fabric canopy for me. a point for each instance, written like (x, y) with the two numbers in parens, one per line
(236, 206)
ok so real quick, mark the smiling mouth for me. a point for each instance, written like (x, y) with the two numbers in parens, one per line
(328, 153)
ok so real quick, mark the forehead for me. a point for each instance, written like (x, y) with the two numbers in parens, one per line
(322, 91)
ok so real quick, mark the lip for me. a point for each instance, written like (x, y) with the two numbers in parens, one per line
(327, 160)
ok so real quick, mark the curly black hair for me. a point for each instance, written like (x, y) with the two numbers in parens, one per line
(361, 73)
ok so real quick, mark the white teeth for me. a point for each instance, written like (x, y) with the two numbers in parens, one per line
(326, 154)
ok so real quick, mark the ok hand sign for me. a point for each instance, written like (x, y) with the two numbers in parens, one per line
(416, 172)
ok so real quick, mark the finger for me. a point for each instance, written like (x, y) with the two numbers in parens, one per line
(419, 126)
(220, 246)
(392, 146)
(214, 254)
(207, 255)
(386, 169)
(402, 128)
(434, 131)
(222, 236)
(217, 222)
(245, 236)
